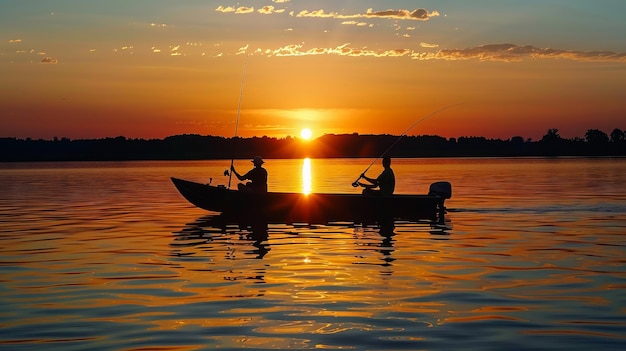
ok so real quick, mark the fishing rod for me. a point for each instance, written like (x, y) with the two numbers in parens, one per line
(356, 182)
(243, 79)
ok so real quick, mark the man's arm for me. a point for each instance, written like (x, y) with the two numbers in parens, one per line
(367, 186)
(371, 180)
(232, 168)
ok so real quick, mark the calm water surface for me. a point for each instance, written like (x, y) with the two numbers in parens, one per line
(108, 256)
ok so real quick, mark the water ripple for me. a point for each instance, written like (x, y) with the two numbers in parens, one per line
(113, 258)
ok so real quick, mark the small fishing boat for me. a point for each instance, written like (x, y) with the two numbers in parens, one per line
(321, 208)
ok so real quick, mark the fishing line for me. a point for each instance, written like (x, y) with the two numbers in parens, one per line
(355, 183)
(243, 79)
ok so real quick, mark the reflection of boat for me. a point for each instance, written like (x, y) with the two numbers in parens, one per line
(317, 208)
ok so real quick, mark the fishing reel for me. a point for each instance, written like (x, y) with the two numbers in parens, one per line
(355, 184)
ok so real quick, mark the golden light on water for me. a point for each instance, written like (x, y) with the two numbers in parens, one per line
(306, 176)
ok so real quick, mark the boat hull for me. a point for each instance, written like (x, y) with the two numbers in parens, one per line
(311, 208)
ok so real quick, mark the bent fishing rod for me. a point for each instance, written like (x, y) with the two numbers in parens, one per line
(243, 79)
(356, 182)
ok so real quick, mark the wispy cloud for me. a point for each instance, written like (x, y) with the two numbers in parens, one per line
(265, 10)
(418, 14)
(264, 127)
(358, 23)
(49, 60)
(492, 52)
(317, 13)
(342, 50)
(243, 50)
(175, 50)
(268, 10)
(513, 53)
(428, 45)
(238, 10)
(13, 41)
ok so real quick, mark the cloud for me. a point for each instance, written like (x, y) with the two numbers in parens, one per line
(238, 10)
(13, 41)
(319, 13)
(357, 23)
(174, 50)
(225, 9)
(264, 127)
(419, 14)
(514, 53)
(341, 50)
(491, 52)
(48, 60)
(268, 10)
(242, 50)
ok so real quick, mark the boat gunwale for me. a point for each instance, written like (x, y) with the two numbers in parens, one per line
(213, 187)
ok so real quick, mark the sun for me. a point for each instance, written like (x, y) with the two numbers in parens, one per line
(306, 134)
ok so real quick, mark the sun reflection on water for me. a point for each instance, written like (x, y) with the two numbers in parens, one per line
(306, 176)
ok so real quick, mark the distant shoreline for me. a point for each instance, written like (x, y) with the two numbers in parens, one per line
(198, 147)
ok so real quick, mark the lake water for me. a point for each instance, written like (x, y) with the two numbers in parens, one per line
(108, 256)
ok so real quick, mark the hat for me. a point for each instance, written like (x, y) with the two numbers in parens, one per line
(257, 160)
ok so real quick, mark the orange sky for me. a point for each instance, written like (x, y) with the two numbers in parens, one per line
(171, 68)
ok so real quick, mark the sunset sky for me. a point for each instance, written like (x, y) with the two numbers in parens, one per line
(154, 68)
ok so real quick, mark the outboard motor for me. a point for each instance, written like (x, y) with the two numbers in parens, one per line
(443, 189)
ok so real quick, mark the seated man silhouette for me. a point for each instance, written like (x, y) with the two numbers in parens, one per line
(385, 182)
(257, 177)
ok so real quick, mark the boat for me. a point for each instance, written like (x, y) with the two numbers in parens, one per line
(320, 208)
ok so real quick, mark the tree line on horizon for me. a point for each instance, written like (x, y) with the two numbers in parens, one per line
(199, 147)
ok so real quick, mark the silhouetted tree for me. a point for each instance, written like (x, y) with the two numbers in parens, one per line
(617, 135)
(552, 136)
(516, 140)
(596, 136)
